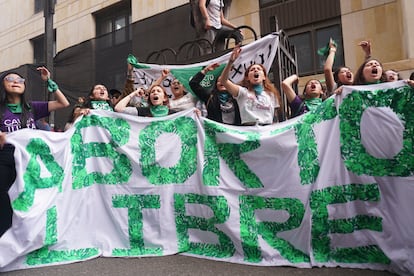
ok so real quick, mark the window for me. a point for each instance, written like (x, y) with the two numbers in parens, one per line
(112, 25)
(40, 4)
(308, 40)
(38, 44)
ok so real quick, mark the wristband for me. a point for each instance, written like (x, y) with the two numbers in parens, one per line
(52, 86)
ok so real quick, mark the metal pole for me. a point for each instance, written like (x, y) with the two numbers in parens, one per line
(49, 10)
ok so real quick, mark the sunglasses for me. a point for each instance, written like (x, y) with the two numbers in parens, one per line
(14, 79)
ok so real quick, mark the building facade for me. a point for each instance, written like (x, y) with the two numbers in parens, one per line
(100, 34)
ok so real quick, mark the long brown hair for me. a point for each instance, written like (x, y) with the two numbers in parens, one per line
(166, 101)
(267, 84)
(359, 75)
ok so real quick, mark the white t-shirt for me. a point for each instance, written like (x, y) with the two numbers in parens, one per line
(256, 109)
(185, 102)
(214, 12)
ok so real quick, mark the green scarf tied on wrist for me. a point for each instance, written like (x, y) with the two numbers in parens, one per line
(52, 86)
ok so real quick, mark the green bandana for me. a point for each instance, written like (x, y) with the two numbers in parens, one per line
(159, 110)
(15, 108)
(324, 51)
(375, 82)
(101, 105)
(51, 86)
(313, 103)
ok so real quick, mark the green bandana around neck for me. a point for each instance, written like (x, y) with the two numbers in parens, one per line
(159, 110)
(101, 105)
(313, 103)
(258, 88)
(15, 108)
(375, 82)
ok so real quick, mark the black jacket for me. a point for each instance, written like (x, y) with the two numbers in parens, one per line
(211, 100)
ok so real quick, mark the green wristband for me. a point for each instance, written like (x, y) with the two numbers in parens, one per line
(52, 86)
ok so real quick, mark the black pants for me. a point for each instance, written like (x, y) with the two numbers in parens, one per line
(224, 33)
(7, 177)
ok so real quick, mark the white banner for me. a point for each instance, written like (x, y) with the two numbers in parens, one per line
(331, 188)
(261, 51)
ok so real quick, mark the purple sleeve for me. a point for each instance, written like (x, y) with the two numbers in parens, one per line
(40, 109)
(295, 105)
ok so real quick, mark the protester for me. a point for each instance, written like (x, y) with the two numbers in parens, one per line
(181, 100)
(392, 75)
(99, 98)
(221, 106)
(342, 76)
(312, 95)
(257, 97)
(158, 103)
(17, 113)
(76, 112)
(115, 96)
(216, 26)
(370, 72)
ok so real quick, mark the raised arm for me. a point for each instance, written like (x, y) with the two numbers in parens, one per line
(60, 99)
(327, 68)
(122, 104)
(232, 88)
(287, 85)
(195, 82)
(164, 74)
(366, 47)
(129, 83)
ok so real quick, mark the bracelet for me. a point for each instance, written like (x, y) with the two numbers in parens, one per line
(52, 86)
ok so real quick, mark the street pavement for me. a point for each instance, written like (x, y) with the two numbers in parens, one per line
(177, 265)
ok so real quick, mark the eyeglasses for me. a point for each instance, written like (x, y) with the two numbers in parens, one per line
(115, 97)
(14, 79)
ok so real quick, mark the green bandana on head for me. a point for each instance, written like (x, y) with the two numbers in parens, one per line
(15, 108)
(159, 110)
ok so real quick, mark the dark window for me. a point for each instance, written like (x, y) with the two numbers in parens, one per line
(39, 5)
(112, 25)
(38, 44)
(308, 39)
